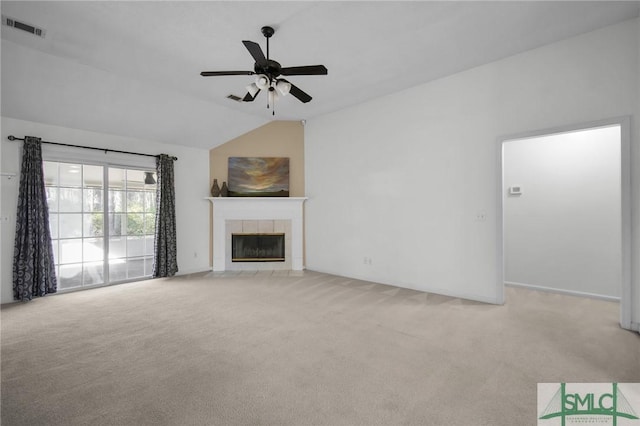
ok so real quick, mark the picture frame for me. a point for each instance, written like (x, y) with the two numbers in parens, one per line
(258, 176)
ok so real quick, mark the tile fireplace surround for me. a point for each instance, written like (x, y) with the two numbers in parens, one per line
(257, 214)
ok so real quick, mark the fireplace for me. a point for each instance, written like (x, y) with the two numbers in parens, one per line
(257, 215)
(257, 247)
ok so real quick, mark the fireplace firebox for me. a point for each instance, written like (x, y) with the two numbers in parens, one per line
(257, 248)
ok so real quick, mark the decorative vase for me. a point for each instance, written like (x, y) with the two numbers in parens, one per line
(224, 191)
(215, 189)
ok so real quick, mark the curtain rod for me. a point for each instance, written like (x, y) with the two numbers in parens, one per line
(13, 138)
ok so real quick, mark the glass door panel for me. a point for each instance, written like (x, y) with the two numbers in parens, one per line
(131, 224)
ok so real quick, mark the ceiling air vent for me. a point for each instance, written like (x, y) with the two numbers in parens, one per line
(234, 98)
(10, 22)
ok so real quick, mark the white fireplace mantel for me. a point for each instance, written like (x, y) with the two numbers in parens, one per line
(257, 208)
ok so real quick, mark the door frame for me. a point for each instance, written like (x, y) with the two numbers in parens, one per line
(625, 205)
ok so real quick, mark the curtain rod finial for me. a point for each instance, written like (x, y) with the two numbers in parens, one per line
(11, 138)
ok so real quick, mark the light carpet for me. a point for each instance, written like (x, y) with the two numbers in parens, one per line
(312, 349)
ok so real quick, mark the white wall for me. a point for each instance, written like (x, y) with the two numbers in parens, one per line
(563, 231)
(402, 179)
(191, 176)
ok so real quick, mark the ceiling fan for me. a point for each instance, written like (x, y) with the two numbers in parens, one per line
(269, 74)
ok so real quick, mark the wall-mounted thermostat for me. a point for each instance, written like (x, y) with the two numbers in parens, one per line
(515, 190)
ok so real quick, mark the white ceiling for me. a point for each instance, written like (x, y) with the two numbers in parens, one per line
(132, 68)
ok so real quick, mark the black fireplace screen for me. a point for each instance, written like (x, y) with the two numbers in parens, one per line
(257, 247)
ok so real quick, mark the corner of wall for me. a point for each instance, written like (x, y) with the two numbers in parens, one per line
(274, 139)
(635, 196)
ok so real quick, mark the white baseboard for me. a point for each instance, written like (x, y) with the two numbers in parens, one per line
(562, 291)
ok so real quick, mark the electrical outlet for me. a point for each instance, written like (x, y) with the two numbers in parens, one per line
(481, 216)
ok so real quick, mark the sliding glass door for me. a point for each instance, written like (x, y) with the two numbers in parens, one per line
(79, 201)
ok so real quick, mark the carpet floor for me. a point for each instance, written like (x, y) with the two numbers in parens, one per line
(306, 349)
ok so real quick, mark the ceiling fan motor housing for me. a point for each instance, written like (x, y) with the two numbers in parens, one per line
(271, 68)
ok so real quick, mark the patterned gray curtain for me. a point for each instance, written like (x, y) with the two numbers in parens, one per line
(165, 262)
(33, 265)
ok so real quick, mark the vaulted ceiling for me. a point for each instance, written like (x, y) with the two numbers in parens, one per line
(133, 68)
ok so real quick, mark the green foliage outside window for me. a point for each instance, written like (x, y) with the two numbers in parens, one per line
(140, 216)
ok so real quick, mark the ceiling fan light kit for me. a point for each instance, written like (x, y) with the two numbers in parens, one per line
(262, 81)
(283, 87)
(253, 89)
(268, 74)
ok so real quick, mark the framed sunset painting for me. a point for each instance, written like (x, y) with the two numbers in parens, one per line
(258, 177)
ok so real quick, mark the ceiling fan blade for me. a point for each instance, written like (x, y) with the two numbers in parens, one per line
(298, 93)
(214, 73)
(249, 98)
(256, 51)
(305, 70)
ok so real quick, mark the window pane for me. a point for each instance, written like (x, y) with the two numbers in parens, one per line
(93, 225)
(117, 248)
(135, 179)
(116, 201)
(52, 198)
(53, 225)
(54, 246)
(70, 175)
(117, 224)
(70, 276)
(50, 173)
(70, 225)
(70, 200)
(135, 268)
(135, 224)
(117, 270)
(116, 178)
(135, 246)
(93, 200)
(149, 224)
(92, 249)
(148, 266)
(93, 273)
(135, 201)
(92, 176)
(150, 202)
(71, 251)
(148, 245)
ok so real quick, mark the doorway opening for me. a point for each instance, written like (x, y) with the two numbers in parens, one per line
(564, 212)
